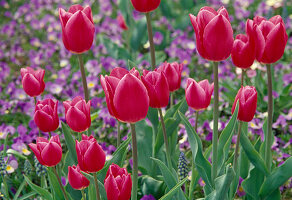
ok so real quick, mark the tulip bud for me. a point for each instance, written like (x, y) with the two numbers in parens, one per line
(122, 23)
(270, 38)
(126, 97)
(247, 99)
(90, 156)
(117, 183)
(145, 5)
(76, 179)
(46, 116)
(214, 34)
(33, 81)
(77, 28)
(198, 95)
(48, 153)
(77, 114)
(157, 87)
(172, 72)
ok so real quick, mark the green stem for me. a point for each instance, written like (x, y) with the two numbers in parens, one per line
(193, 165)
(171, 99)
(83, 195)
(119, 134)
(6, 191)
(150, 37)
(268, 153)
(60, 183)
(50, 134)
(96, 186)
(84, 82)
(135, 163)
(80, 136)
(165, 139)
(242, 76)
(215, 123)
(236, 154)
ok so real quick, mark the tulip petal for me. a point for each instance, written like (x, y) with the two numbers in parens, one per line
(119, 72)
(276, 20)
(76, 120)
(44, 121)
(51, 154)
(94, 158)
(126, 188)
(111, 187)
(31, 85)
(88, 13)
(74, 8)
(195, 96)
(204, 17)
(36, 152)
(56, 139)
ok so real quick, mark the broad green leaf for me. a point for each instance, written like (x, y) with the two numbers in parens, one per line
(70, 142)
(102, 191)
(152, 115)
(19, 190)
(202, 164)
(74, 194)
(253, 182)
(54, 184)
(27, 195)
(152, 186)
(169, 178)
(225, 141)
(276, 195)
(252, 154)
(174, 190)
(68, 161)
(43, 192)
(243, 164)
(138, 34)
(277, 178)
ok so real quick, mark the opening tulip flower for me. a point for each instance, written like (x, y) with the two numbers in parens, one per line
(198, 95)
(90, 156)
(126, 96)
(77, 28)
(48, 153)
(157, 87)
(214, 34)
(46, 116)
(118, 183)
(247, 99)
(271, 38)
(76, 179)
(77, 114)
(145, 5)
(33, 81)
(172, 72)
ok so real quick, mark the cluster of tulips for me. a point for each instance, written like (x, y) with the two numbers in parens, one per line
(129, 95)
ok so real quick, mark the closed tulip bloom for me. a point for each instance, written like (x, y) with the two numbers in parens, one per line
(90, 156)
(77, 28)
(214, 34)
(247, 99)
(126, 96)
(48, 153)
(145, 5)
(271, 38)
(33, 81)
(117, 183)
(198, 95)
(46, 116)
(157, 87)
(172, 72)
(122, 23)
(77, 114)
(76, 179)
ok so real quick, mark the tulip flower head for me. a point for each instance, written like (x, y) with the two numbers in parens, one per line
(214, 34)
(172, 72)
(77, 114)
(157, 87)
(247, 99)
(33, 81)
(77, 28)
(48, 153)
(118, 183)
(198, 95)
(270, 37)
(145, 5)
(90, 156)
(76, 179)
(46, 116)
(126, 96)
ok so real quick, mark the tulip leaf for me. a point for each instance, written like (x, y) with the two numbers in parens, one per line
(91, 189)
(118, 158)
(138, 34)
(174, 190)
(252, 154)
(70, 142)
(74, 194)
(152, 115)
(243, 164)
(202, 164)
(225, 140)
(169, 177)
(27, 195)
(152, 186)
(277, 178)
(54, 184)
(41, 191)
(253, 182)
(20, 188)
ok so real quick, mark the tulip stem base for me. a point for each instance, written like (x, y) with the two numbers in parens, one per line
(165, 139)
(150, 37)
(171, 99)
(96, 186)
(242, 76)
(83, 195)
(50, 134)
(215, 122)
(119, 134)
(84, 82)
(236, 153)
(268, 153)
(135, 163)
(60, 183)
